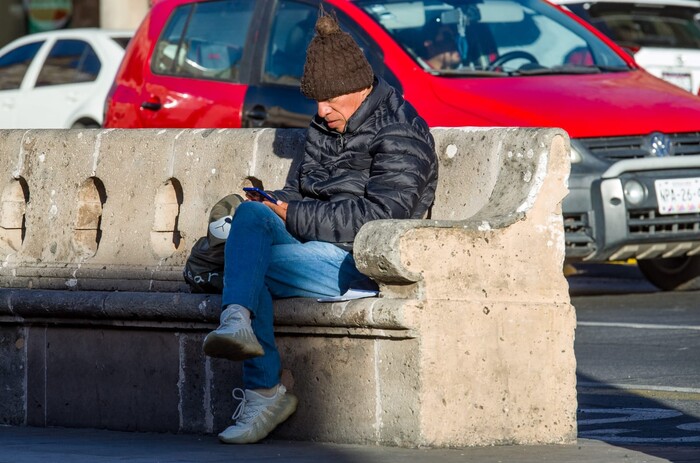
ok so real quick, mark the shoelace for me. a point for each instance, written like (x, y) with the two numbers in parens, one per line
(244, 412)
(241, 404)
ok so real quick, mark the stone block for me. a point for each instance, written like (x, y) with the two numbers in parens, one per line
(92, 378)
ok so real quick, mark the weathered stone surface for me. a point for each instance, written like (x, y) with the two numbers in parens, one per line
(92, 378)
(329, 386)
(13, 343)
(509, 377)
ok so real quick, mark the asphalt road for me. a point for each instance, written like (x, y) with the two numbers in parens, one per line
(638, 354)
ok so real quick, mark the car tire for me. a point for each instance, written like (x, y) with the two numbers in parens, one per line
(672, 274)
(85, 125)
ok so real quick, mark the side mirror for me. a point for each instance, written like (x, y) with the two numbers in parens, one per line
(630, 49)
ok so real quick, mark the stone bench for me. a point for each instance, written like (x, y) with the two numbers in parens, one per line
(469, 343)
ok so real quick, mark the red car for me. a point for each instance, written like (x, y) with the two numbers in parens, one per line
(635, 182)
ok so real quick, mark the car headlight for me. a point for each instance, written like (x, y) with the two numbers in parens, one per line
(575, 156)
(635, 192)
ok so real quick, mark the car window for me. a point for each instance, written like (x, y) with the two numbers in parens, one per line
(122, 41)
(14, 64)
(490, 35)
(69, 62)
(204, 40)
(646, 26)
(368, 45)
(292, 30)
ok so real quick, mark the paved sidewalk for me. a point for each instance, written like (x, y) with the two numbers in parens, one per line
(61, 445)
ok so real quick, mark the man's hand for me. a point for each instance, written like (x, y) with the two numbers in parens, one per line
(280, 208)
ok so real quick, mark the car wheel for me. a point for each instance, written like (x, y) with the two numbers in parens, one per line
(673, 274)
(85, 125)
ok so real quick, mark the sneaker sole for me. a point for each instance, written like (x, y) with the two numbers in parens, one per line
(290, 406)
(225, 347)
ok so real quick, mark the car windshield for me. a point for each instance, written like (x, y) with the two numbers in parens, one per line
(493, 37)
(639, 25)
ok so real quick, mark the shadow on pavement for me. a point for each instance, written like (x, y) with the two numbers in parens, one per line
(67, 445)
(595, 278)
(658, 422)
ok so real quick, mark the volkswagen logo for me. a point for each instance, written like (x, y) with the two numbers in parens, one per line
(659, 145)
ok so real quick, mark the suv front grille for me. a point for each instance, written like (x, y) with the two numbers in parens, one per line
(579, 242)
(619, 148)
(649, 222)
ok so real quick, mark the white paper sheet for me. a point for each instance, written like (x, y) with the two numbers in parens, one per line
(349, 295)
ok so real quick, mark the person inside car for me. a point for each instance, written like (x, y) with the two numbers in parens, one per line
(440, 50)
(368, 156)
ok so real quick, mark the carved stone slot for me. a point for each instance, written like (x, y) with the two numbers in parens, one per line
(13, 205)
(165, 236)
(86, 230)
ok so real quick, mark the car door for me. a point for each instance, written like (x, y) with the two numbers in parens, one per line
(199, 68)
(13, 72)
(274, 98)
(67, 78)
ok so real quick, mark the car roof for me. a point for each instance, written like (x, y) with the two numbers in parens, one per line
(683, 3)
(80, 31)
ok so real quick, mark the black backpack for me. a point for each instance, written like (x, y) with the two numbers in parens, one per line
(204, 269)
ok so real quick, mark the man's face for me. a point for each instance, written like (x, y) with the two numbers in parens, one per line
(337, 110)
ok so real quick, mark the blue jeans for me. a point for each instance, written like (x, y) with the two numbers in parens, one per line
(264, 261)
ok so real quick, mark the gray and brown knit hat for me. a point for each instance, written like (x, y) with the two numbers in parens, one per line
(335, 64)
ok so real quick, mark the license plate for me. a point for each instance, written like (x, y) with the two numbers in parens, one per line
(678, 195)
(681, 79)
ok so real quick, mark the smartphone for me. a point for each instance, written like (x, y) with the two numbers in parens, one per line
(261, 193)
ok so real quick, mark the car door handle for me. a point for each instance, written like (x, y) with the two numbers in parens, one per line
(256, 115)
(152, 105)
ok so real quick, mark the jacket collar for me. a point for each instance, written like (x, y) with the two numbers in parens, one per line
(368, 106)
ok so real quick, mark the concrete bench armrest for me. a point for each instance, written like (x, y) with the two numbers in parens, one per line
(521, 178)
(378, 250)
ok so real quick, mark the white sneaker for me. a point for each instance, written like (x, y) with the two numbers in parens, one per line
(256, 415)
(234, 338)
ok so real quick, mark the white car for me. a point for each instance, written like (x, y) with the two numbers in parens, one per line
(663, 35)
(59, 79)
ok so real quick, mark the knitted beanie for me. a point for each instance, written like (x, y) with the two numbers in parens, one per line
(335, 64)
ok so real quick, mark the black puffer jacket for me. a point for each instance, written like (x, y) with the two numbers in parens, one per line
(383, 166)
